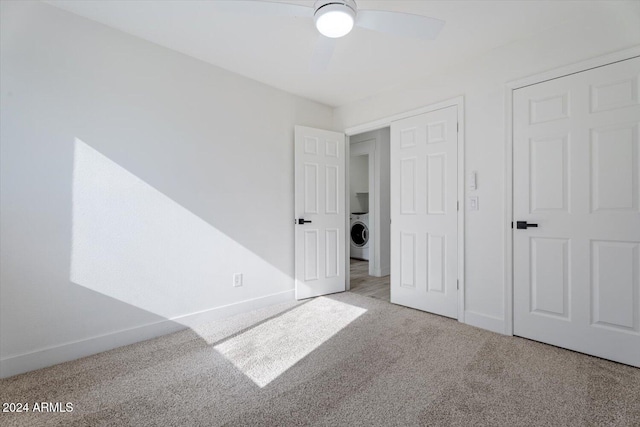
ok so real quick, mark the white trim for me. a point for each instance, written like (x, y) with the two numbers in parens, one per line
(364, 148)
(508, 215)
(347, 207)
(54, 355)
(381, 272)
(493, 324)
(386, 122)
(510, 88)
(575, 68)
(461, 210)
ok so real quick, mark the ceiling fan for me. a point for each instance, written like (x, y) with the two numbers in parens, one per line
(336, 18)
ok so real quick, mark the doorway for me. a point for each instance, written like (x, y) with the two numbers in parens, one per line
(368, 228)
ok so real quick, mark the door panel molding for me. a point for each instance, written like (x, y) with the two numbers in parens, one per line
(319, 202)
(457, 102)
(510, 87)
(424, 197)
(574, 281)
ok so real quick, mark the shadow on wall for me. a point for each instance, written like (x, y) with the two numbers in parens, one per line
(133, 243)
(200, 169)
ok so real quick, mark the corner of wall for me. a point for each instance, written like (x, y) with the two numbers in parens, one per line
(54, 355)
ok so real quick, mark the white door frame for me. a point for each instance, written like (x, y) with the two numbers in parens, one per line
(510, 88)
(386, 122)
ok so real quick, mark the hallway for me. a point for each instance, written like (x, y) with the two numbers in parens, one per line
(370, 286)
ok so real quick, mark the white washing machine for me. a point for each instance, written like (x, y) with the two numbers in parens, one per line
(359, 232)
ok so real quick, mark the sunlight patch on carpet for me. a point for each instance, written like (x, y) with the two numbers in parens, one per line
(265, 352)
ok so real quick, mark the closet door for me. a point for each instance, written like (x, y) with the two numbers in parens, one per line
(576, 202)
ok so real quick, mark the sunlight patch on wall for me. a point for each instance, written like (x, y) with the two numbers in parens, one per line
(267, 351)
(133, 243)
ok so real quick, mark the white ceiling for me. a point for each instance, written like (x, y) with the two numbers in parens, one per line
(277, 51)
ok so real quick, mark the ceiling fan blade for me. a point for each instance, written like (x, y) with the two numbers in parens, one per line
(322, 54)
(264, 8)
(400, 24)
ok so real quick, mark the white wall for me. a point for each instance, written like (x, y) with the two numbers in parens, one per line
(359, 183)
(381, 224)
(482, 82)
(134, 182)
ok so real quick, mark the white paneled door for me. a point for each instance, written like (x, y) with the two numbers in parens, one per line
(319, 212)
(576, 200)
(424, 231)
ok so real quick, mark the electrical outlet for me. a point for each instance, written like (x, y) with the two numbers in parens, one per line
(237, 280)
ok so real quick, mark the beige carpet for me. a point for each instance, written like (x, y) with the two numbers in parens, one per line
(341, 360)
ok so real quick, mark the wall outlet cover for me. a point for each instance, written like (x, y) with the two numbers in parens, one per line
(237, 280)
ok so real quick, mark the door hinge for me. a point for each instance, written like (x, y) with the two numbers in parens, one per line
(457, 127)
(458, 206)
(458, 284)
(511, 224)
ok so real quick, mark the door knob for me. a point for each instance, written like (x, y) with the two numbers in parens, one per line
(523, 225)
(303, 221)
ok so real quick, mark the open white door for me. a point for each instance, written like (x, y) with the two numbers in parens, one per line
(576, 187)
(424, 217)
(319, 212)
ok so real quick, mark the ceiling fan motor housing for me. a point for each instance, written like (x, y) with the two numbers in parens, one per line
(351, 4)
(343, 11)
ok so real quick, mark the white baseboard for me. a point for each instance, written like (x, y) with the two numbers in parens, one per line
(54, 355)
(381, 272)
(493, 324)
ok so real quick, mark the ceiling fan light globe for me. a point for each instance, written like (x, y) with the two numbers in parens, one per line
(334, 20)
